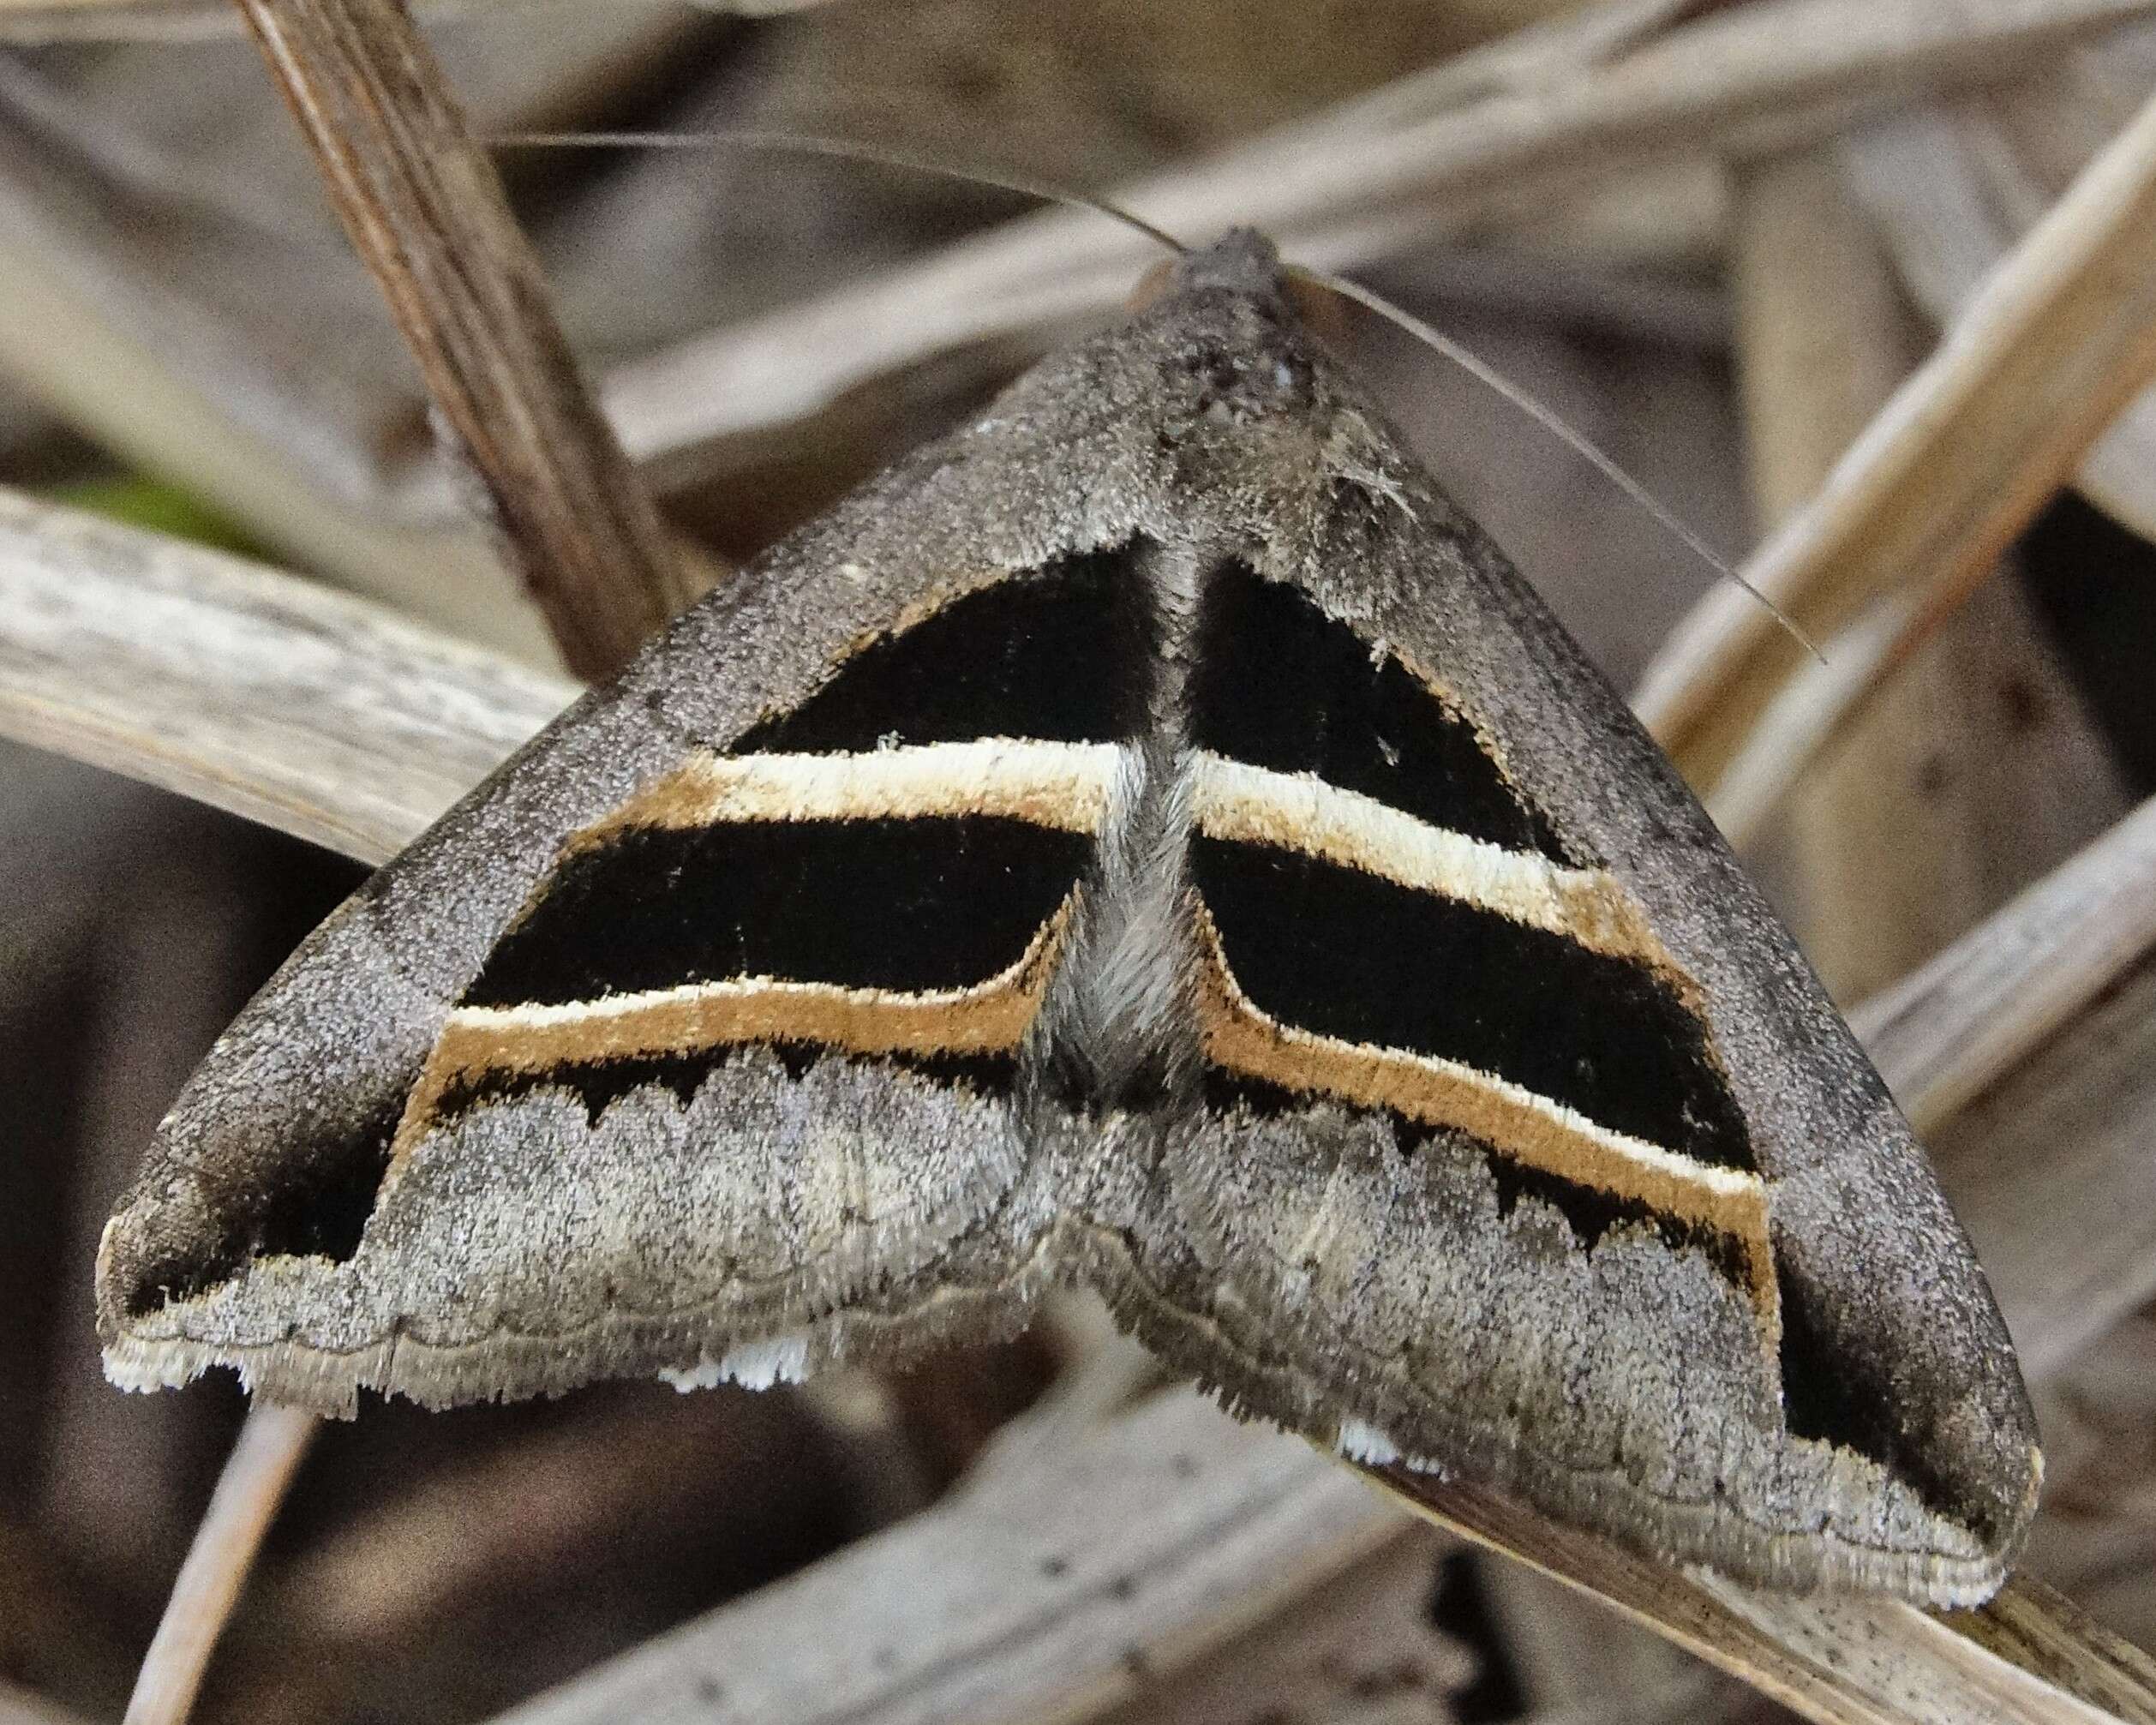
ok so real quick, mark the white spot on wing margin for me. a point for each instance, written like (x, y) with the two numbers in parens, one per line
(1360, 1440)
(756, 1365)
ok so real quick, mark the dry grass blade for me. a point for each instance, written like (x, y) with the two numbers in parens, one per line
(1945, 184)
(321, 716)
(1948, 1031)
(130, 20)
(425, 210)
(126, 338)
(1848, 1660)
(1043, 1592)
(2050, 1171)
(1344, 187)
(1957, 463)
(223, 616)
(270, 1445)
(2025, 1625)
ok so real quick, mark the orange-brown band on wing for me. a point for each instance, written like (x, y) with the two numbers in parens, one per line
(475, 1042)
(1528, 1129)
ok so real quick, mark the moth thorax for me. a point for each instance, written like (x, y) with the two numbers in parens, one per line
(1117, 1031)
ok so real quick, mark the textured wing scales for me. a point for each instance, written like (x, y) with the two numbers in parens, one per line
(718, 1095)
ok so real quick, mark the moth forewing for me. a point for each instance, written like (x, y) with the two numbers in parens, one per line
(1149, 839)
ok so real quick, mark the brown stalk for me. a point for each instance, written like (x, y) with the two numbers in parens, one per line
(425, 208)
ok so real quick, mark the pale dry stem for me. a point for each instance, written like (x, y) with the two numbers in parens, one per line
(271, 1447)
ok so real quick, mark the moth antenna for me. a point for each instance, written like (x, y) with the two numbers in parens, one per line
(888, 155)
(846, 149)
(1552, 421)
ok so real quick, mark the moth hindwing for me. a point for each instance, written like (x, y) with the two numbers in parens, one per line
(1150, 839)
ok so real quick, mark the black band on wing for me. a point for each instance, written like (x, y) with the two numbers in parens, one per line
(1344, 954)
(905, 905)
(598, 1084)
(1281, 685)
(316, 1210)
(1835, 1394)
(1059, 653)
(1591, 1213)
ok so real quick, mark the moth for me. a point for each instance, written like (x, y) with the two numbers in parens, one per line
(1150, 840)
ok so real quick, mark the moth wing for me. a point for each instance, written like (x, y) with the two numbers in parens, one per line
(681, 1044)
(1530, 1108)
(1532, 1145)
(1528, 1143)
